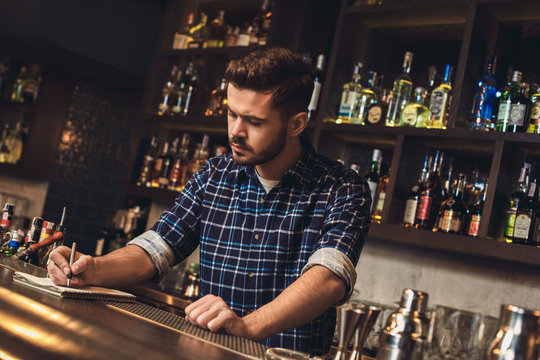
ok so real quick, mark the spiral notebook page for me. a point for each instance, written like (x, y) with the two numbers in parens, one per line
(87, 292)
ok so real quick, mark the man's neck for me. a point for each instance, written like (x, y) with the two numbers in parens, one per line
(278, 166)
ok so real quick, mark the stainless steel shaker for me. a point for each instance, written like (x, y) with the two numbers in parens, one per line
(406, 329)
(518, 337)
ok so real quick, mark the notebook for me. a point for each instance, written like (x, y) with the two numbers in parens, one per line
(85, 293)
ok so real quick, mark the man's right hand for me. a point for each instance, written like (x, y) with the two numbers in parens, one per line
(83, 268)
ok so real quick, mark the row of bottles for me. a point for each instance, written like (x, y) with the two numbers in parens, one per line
(174, 165)
(514, 107)
(180, 88)
(11, 143)
(19, 84)
(521, 220)
(17, 242)
(219, 34)
(370, 104)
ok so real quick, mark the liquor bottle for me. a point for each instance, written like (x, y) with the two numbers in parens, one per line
(525, 217)
(182, 81)
(4, 148)
(3, 76)
(12, 245)
(183, 36)
(376, 113)
(191, 90)
(244, 36)
(515, 198)
(380, 197)
(175, 175)
(317, 85)
(474, 217)
(432, 72)
(164, 107)
(367, 97)
(263, 20)
(33, 238)
(18, 85)
(484, 98)
(415, 113)
(429, 197)
(453, 210)
(513, 107)
(216, 31)
(183, 154)
(231, 37)
(14, 143)
(447, 186)
(534, 118)
(104, 239)
(148, 163)
(401, 92)
(349, 97)
(439, 103)
(159, 163)
(5, 225)
(519, 114)
(198, 33)
(412, 199)
(31, 86)
(218, 100)
(200, 156)
(372, 176)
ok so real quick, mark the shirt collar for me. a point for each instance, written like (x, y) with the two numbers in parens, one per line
(302, 171)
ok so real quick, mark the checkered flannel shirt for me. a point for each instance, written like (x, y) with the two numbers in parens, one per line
(253, 245)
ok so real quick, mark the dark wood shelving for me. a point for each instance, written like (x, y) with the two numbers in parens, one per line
(190, 123)
(461, 244)
(227, 52)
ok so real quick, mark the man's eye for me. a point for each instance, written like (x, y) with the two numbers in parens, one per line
(255, 123)
(231, 114)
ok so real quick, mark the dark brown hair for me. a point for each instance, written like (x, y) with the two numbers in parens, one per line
(277, 70)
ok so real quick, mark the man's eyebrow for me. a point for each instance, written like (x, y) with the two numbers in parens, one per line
(250, 117)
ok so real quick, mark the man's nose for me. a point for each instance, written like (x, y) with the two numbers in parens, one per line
(238, 128)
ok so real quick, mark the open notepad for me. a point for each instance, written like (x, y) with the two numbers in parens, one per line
(86, 293)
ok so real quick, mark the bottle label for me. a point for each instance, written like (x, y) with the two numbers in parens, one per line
(450, 221)
(408, 116)
(535, 114)
(99, 247)
(437, 105)
(410, 211)
(424, 207)
(348, 104)
(374, 114)
(510, 222)
(517, 114)
(474, 225)
(504, 112)
(380, 202)
(315, 96)
(6, 219)
(522, 226)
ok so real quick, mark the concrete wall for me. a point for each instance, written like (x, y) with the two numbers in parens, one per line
(467, 283)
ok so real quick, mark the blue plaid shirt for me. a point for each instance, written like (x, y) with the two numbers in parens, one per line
(253, 245)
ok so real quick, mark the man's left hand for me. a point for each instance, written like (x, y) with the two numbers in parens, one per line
(212, 313)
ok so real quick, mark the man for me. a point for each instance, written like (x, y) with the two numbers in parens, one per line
(280, 227)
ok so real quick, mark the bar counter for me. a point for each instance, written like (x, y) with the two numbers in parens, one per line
(38, 325)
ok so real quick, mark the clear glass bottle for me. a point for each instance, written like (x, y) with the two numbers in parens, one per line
(15, 143)
(380, 198)
(432, 73)
(440, 100)
(349, 97)
(367, 98)
(515, 198)
(167, 90)
(401, 92)
(218, 100)
(484, 98)
(199, 33)
(416, 113)
(201, 155)
(182, 37)
(159, 163)
(534, 118)
(317, 86)
(216, 31)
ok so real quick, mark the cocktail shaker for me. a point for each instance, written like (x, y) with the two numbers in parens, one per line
(518, 337)
(406, 329)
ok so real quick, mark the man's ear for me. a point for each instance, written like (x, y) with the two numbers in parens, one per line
(297, 123)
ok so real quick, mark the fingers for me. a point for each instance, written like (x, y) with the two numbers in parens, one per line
(209, 309)
(60, 257)
(58, 267)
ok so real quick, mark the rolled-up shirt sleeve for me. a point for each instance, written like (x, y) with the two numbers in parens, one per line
(160, 253)
(344, 230)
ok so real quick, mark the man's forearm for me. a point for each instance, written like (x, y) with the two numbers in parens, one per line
(304, 300)
(124, 267)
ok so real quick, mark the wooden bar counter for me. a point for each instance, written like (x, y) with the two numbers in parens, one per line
(35, 325)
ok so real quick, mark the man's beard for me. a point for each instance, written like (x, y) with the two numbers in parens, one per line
(265, 155)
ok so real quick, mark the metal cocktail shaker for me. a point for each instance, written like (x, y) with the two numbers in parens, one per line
(518, 337)
(406, 329)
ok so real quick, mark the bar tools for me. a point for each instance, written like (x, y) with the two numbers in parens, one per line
(348, 318)
(518, 337)
(405, 334)
(363, 328)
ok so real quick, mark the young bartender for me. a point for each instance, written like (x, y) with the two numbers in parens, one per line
(280, 227)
